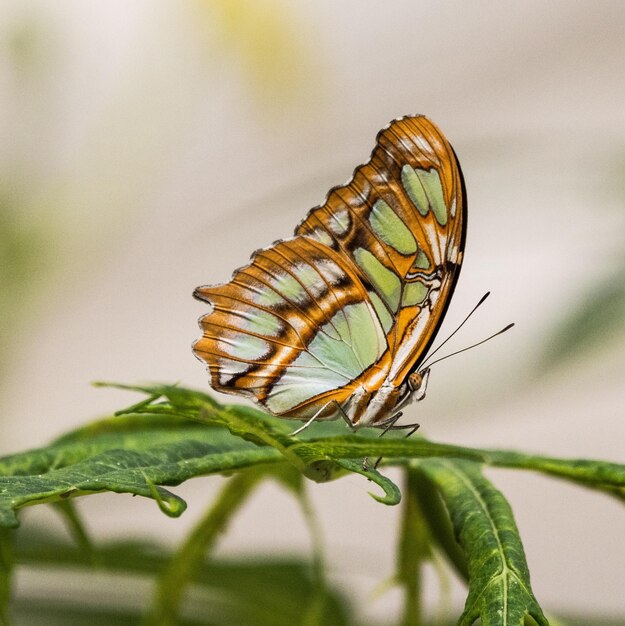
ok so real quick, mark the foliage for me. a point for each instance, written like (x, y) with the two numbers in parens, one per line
(449, 507)
(594, 322)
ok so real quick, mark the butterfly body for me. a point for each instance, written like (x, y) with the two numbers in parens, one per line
(336, 320)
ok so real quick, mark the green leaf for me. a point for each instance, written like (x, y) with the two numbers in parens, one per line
(162, 444)
(174, 434)
(392, 494)
(136, 458)
(601, 475)
(499, 587)
(25, 261)
(317, 450)
(432, 508)
(590, 324)
(242, 421)
(53, 612)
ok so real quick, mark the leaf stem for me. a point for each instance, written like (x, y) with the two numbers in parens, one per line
(187, 559)
(413, 549)
(6, 569)
(76, 527)
(315, 612)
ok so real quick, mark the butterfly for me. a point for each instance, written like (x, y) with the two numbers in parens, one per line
(337, 319)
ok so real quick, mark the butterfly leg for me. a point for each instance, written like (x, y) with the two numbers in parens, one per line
(306, 424)
(314, 418)
(387, 424)
(344, 416)
(391, 424)
(413, 428)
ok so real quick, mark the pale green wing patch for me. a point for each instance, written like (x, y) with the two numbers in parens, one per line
(244, 347)
(329, 363)
(260, 322)
(414, 189)
(322, 236)
(310, 277)
(340, 222)
(301, 381)
(385, 281)
(288, 286)
(266, 297)
(425, 190)
(390, 229)
(414, 293)
(368, 341)
(422, 261)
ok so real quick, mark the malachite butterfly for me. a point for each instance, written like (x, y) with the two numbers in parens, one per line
(337, 319)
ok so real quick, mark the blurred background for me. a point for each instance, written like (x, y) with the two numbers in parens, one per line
(147, 148)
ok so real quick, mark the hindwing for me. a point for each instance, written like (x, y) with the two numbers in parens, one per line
(294, 325)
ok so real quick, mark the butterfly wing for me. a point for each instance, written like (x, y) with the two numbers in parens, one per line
(401, 219)
(357, 295)
(292, 330)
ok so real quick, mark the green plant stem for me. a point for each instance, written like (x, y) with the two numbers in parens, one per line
(186, 560)
(413, 549)
(75, 525)
(6, 570)
(314, 615)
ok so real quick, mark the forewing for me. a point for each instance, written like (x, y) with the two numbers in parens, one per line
(292, 330)
(401, 220)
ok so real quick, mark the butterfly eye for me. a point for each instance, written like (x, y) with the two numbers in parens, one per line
(415, 380)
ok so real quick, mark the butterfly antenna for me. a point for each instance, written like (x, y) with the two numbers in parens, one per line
(479, 343)
(464, 321)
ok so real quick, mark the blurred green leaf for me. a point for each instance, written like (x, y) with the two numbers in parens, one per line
(441, 531)
(593, 323)
(246, 592)
(601, 475)
(76, 526)
(185, 562)
(53, 612)
(591, 620)
(23, 261)
(26, 44)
